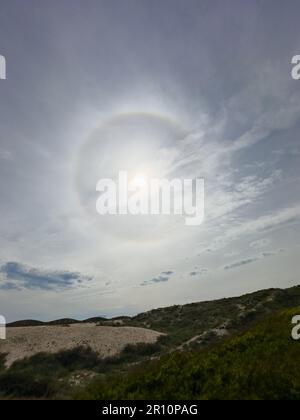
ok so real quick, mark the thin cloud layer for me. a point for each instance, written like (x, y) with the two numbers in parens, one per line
(223, 85)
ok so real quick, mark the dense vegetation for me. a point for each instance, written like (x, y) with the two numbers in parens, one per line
(42, 375)
(182, 323)
(231, 348)
(55, 375)
(262, 363)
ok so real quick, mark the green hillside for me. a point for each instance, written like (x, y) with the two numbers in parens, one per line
(261, 363)
(196, 325)
(230, 348)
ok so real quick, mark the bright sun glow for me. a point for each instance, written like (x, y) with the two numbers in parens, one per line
(139, 181)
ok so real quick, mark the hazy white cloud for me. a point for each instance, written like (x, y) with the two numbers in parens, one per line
(268, 223)
(260, 243)
(198, 110)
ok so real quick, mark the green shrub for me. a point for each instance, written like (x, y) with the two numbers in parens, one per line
(24, 384)
(261, 363)
(43, 374)
(140, 349)
(79, 358)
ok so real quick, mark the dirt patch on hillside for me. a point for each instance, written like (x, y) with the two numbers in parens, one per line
(24, 342)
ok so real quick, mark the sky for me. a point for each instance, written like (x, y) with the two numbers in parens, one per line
(181, 88)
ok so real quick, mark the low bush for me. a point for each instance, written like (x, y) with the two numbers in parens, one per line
(261, 363)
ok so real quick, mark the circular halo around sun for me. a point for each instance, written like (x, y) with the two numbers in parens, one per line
(146, 146)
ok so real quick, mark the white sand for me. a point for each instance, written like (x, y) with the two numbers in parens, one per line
(106, 341)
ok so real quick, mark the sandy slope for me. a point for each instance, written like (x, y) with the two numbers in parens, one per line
(107, 341)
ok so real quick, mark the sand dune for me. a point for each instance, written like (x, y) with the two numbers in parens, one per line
(106, 341)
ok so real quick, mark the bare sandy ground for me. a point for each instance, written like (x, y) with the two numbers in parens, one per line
(23, 342)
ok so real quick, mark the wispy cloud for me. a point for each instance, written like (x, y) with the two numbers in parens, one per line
(281, 118)
(252, 260)
(17, 276)
(241, 263)
(260, 243)
(5, 154)
(268, 223)
(167, 273)
(162, 278)
(198, 272)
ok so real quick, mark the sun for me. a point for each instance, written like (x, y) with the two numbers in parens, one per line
(139, 181)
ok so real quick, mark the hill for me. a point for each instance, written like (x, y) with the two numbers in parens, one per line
(186, 324)
(261, 363)
(199, 324)
(191, 337)
(24, 342)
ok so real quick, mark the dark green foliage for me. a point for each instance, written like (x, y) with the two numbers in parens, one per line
(42, 375)
(45, 375)
(25, 323)
(131, 354)
(24, 384)
(262, 363)
(80, 358)
(133, 351)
